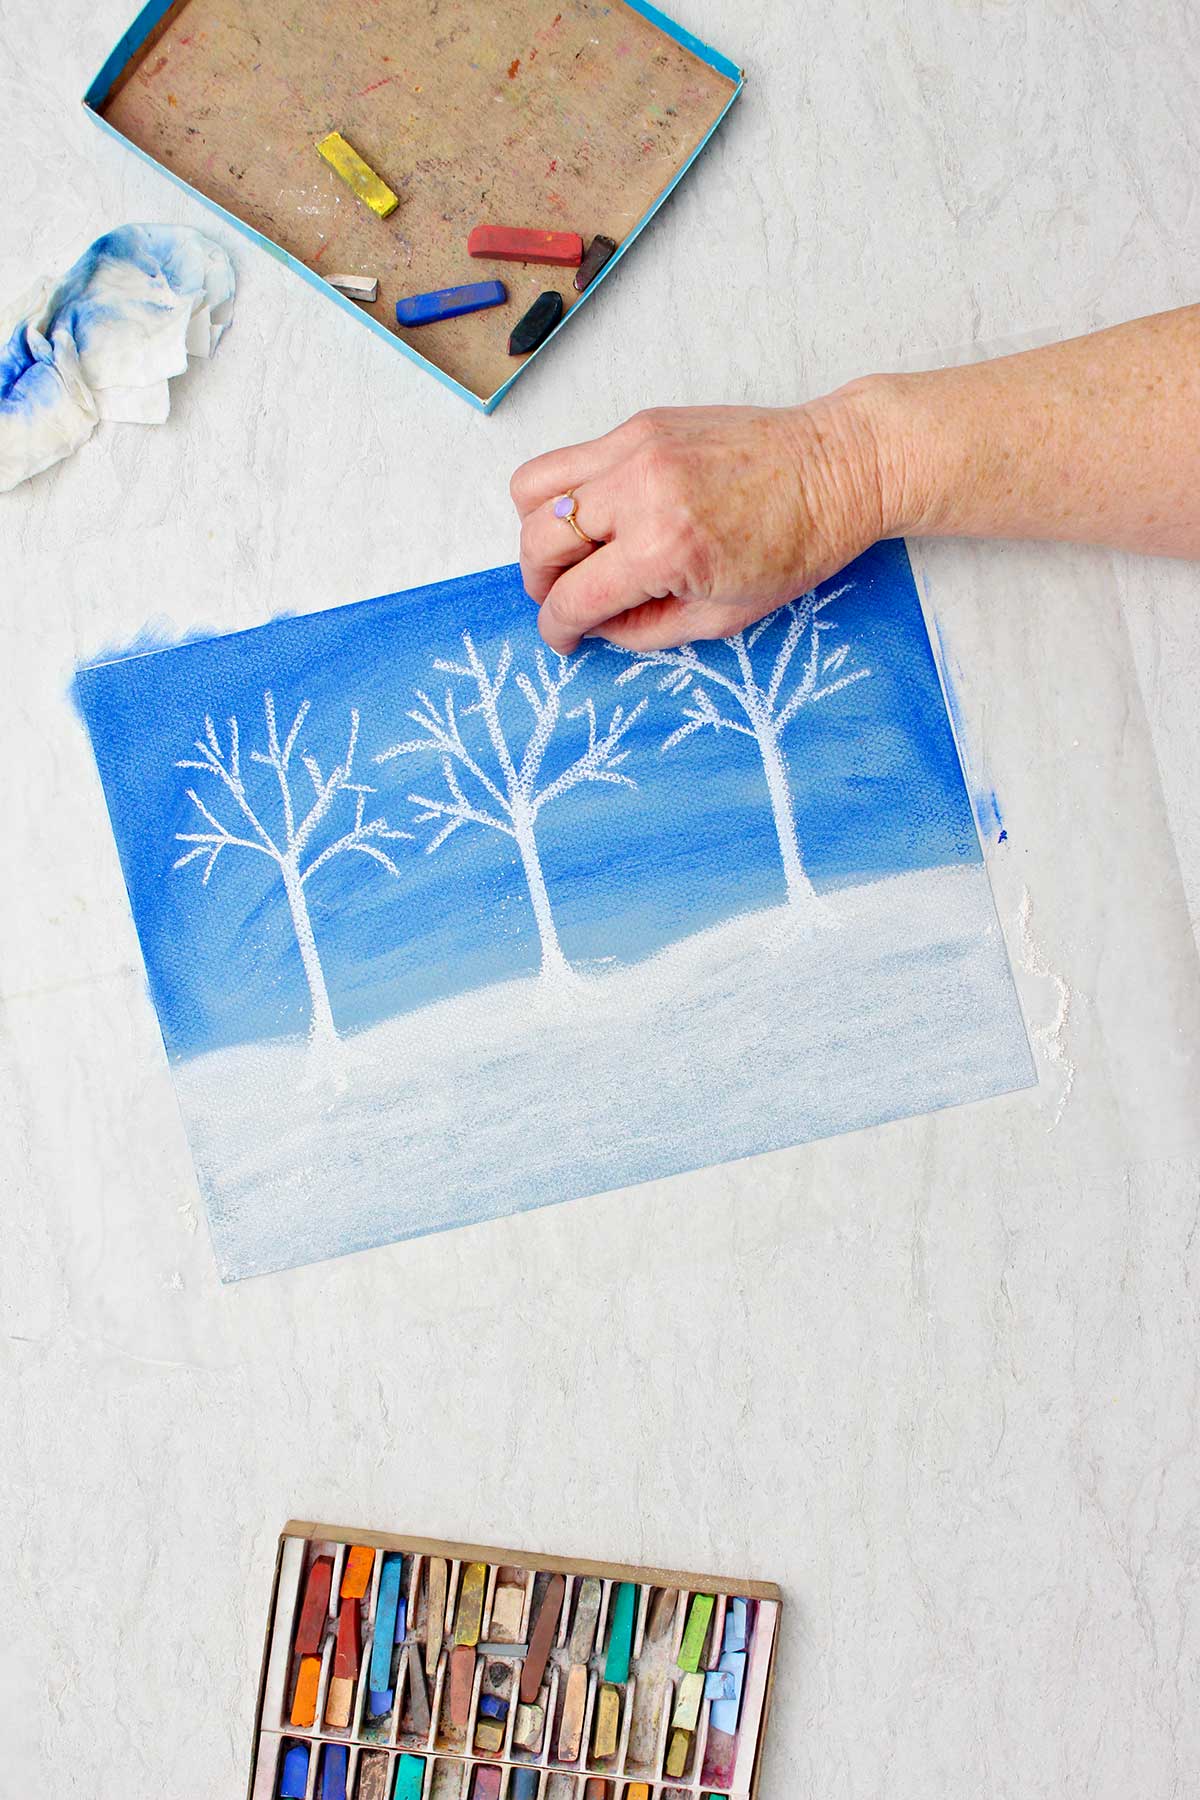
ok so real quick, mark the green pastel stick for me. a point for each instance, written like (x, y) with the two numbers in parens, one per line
(620, 1638)
(692, 1647)
(410, 1778)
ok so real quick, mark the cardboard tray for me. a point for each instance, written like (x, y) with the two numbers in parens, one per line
(280, 1620)
(575, 115)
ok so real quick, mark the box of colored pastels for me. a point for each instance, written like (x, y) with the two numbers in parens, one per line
(406, 1669)
(460, 177)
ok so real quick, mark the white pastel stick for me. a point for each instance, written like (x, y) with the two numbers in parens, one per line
(356, 287)
(754, 1693)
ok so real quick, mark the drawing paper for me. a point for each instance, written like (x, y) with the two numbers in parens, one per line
(440, 926)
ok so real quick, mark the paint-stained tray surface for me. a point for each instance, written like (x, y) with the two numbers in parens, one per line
(570, 114)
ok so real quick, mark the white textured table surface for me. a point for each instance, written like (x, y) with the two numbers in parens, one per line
(940, 1379)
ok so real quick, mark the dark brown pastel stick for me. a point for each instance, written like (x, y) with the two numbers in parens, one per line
(462, 1680)
(666, 1605)
(599, 251)
(314, 1614)
(372, 1776)
(541, 1640)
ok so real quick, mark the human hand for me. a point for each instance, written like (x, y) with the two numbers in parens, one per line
(705, 518)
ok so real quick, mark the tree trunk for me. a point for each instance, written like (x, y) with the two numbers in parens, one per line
(800, 891)
(554, 963)
(321, 1028)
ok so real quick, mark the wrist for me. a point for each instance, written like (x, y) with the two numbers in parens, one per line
(903, 432)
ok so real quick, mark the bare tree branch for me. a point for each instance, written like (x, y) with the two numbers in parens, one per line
(688, 671)
(704, 713)
(513, 803)
(364, 836)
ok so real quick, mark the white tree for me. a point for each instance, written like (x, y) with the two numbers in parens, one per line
(290, 846)
(510, 800)
(768, 698)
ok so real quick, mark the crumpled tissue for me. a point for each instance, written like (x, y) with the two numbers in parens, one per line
(104, 342)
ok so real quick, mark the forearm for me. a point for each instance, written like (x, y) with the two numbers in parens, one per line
(1096, 440)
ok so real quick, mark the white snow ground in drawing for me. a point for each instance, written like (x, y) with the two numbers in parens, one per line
(747, 1037)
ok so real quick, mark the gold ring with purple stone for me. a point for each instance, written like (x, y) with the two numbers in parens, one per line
(566, 508)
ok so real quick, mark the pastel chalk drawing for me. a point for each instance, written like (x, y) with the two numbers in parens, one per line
(396, 868)
(768, 700)
(510, 799)
(290, 844)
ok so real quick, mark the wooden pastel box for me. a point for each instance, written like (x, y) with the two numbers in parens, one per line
(400, 1668)
(578, 116)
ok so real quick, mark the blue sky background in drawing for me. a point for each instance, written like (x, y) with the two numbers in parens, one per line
(874, 771)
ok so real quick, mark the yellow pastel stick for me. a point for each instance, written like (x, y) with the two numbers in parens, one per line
(357, 174)
(470, 1604)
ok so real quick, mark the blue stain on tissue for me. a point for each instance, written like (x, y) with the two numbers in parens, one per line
(105, 339)
(152, 251)
(27, 378)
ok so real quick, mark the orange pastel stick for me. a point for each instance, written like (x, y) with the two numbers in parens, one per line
(304, 1700)
(357, 1577)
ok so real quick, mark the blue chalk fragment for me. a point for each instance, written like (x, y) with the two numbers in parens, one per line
(333, 1772)
(401, 1621)
(294, 1782)
(379, 1701)
(450, 303)
(385, 1625)
(719, 1685)
(524, 1784)
(492, 1707)
(735, 1626)
(724, 1714)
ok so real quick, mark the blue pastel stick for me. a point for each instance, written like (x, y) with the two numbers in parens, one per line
(724, 1713)
(385, 1625)
(524, 1784)
(401, 1621)
(333, 1772)
(410, 1778)
(492, 1707)
(294, 1782)
(379, 1701)
(735, 1626)
(719, 1685)
(450, 303)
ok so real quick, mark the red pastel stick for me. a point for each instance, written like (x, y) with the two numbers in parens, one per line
(506, 243)
(462, 1680)
(345, 1655)
(315, 1611)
